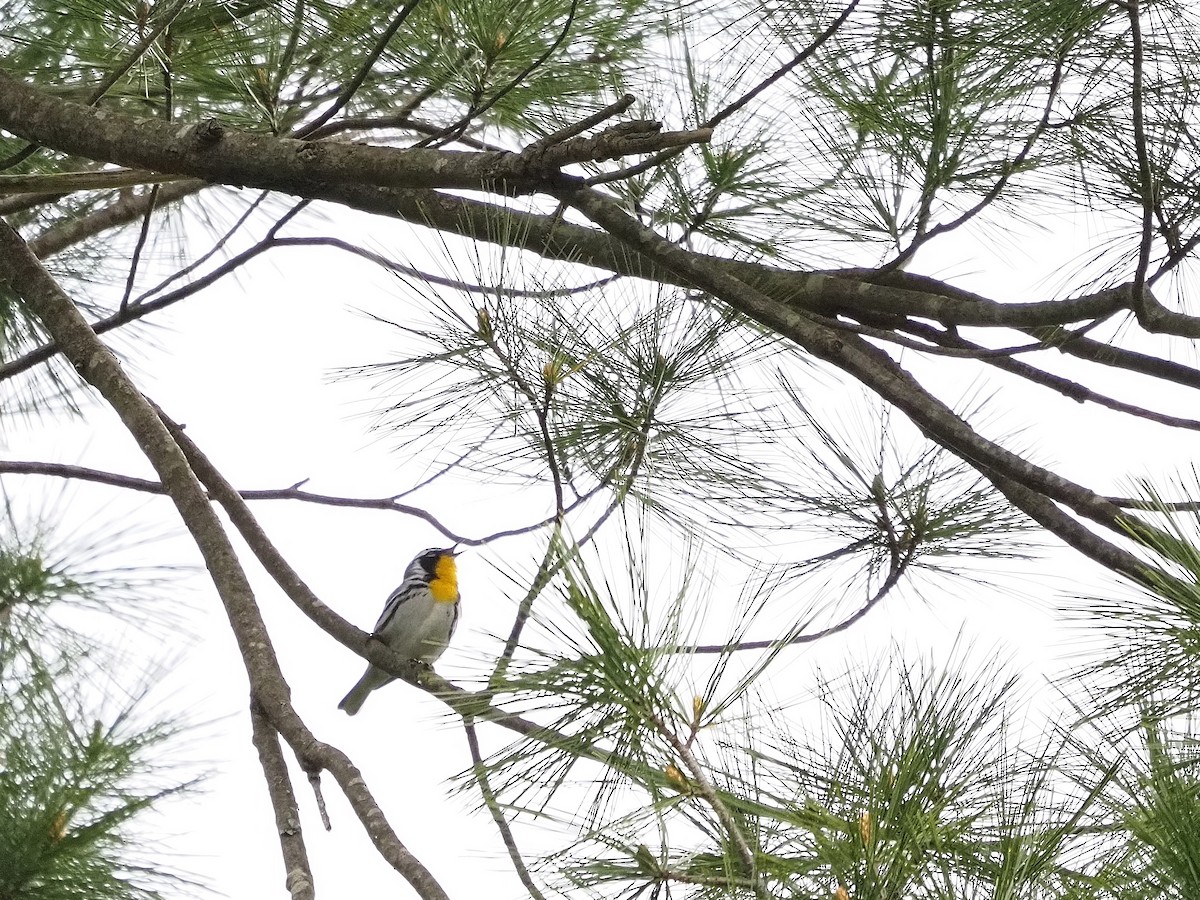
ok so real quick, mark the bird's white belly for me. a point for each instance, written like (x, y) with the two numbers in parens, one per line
(434, 636)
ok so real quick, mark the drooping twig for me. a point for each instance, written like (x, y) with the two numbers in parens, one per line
(493, 804)
(314, 781)
(298, 877)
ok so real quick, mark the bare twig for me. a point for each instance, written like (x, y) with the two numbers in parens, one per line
(1156, 505)
(895, 572)
(401, 118)
(314, 781)
(578, 128)
(72, 230)
(548, 567)
(465, 286)
(1068, 388)
(388, 504)
(208, 254)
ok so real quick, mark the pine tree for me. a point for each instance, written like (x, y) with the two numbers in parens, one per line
(669, 228)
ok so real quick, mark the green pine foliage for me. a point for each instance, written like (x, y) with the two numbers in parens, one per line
(79, 770)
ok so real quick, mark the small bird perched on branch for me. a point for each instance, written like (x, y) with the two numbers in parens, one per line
(418, 619)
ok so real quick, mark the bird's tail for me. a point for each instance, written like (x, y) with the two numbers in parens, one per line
(371, 679)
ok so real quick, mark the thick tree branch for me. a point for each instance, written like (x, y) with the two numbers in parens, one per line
(831, 293)
(213, 152)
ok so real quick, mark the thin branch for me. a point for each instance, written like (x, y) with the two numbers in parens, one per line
(1065, 386)
(208, 254)
(578, 128)
(142, 308)
(17, 203)
(282, 71)
(1156, 505)
(402, 118)
(538, 401)
(724, 113)
(132, 313)
(465, 286)
(368, 63)
(493, 805)
(125, 209)
(1145, 179)
(549, 567)
(1001, 183)
(137, 249)
(895, 572)
(387, 504)
(545, 571)
(783, 70)
(314, 781)
(882, 375)
(298, 876)
(705, 788)
(61, 183)
(453, 132)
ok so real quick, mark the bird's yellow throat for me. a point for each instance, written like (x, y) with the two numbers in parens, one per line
(444, 584)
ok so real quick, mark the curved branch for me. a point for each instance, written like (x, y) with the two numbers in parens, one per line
(902, 557)
(387, 504)
(1065, 386)
(213, 152)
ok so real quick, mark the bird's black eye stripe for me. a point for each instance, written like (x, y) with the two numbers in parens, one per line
(429, 561)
